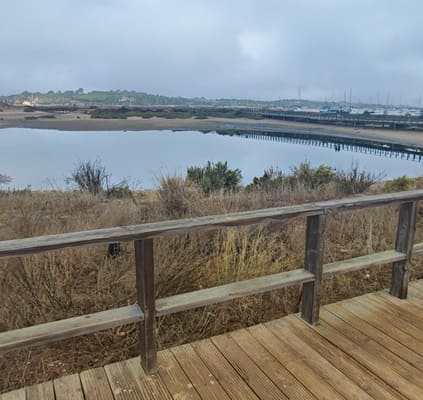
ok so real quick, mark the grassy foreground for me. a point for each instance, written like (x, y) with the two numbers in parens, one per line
(62, 284)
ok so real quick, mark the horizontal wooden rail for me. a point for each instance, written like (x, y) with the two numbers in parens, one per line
(19, 247)
(418, 249)
(67, 328)
(367, 261)
(231, 291)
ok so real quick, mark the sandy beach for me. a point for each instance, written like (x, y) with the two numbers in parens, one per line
(76, 121)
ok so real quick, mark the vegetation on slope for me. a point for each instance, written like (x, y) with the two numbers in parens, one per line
(171, 113)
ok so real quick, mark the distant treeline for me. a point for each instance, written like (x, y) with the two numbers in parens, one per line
(130, 97)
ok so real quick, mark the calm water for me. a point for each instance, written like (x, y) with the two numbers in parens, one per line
(43, 158)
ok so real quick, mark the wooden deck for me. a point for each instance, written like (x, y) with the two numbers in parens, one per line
(369, 347)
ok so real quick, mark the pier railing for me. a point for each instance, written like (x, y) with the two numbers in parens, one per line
(148, 307)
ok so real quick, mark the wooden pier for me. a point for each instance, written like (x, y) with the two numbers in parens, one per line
(366, 120)
(367, 347)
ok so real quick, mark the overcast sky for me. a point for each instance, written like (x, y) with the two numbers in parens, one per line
(263, 49)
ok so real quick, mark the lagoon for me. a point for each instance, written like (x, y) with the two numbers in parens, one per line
(42, 159)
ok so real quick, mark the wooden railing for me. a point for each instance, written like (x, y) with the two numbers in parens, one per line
(148, 307)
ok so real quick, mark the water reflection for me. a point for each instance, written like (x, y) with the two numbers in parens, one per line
(380, 149)
(38, 157)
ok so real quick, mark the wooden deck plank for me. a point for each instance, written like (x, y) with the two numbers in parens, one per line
(173, 376)
(383, 325)
(122, 382)
(371, 347)
(287, 382)
(200, 376)
(369, 382)
(302, 372)
(415, 295)
(375, 364)
(151, 386)
(247, 369)
(417, 284)
(14, 395)
(406, 305)
(402, 308)
(314, 360)
(416, 291)
(371, 309)
(43, 391)
(96, 385)
(68, 388)
(387, 341)
(225, 374)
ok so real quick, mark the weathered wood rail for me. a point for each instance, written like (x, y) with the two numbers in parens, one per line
(148, 307)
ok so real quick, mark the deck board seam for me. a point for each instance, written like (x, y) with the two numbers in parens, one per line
(382, 333)
(399, 370)
(241, 377)
(281, 365)
(355, 359)
(378, 326)
(295, 352)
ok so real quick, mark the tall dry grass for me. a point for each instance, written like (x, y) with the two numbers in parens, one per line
(65, 283)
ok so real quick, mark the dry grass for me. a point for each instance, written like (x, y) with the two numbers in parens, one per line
(61, 284)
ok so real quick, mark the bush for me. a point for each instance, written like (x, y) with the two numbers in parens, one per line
(177, 196)
(120, 190)
(214, 177)
(398, 184)
(355, 180)
(311, 178)
(302, 177)
(271, 180)
(90, 177)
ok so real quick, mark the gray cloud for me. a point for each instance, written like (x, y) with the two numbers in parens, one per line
(257, 49)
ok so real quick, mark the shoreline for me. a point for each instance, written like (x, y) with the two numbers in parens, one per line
(74, 121)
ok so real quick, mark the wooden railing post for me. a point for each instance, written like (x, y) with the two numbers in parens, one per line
(404, 244)
(315, 240)
(144, 262)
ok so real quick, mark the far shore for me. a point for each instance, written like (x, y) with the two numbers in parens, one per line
(74, 121)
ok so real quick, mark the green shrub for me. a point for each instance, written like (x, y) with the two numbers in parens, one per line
(214, 177)
(311, 178)
(398, 184)
(272, 179)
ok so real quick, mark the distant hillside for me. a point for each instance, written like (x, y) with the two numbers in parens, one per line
(125, 97)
